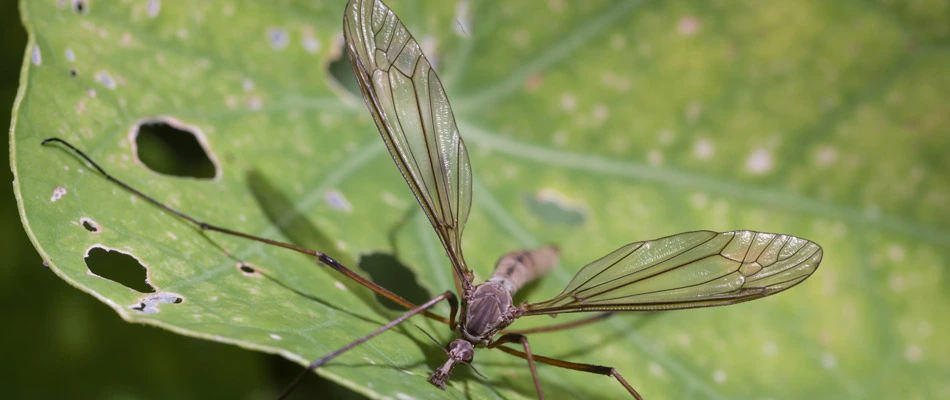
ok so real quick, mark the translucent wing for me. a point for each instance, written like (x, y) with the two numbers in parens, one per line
(415, 120)
(688, 270)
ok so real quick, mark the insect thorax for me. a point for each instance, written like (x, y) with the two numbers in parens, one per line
(488, 310)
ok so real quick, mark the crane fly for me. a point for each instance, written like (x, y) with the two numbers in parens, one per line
(414, 118)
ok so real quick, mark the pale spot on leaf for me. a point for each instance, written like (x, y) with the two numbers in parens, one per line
(913, 353)
(719, 376)
(336, 200)
(152, 8)
(924, 328)
(36, 57)
(278, 38)
(618, 42)
(699, 200)
(896, 282)
(688, 26)
(826, 155)
(655, 158)
(105, 79)
(703, 149)
(521, 38)
(770, 349)
(895, 253)
(759, 162)
(601, 113)
(254, 102)
(693, 111)
(58, 193)
(666, 137)
(828, 361)
(656, 370)
(568, 102)
(560, 138)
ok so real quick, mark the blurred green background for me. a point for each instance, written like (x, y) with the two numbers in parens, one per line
(62, 343)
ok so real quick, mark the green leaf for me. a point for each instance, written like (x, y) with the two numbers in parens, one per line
(590, 125)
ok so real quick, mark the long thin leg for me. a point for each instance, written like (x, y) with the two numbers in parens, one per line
(320, 256)
(594, 369)
(558, 327)
(517, 338)
(448, 295)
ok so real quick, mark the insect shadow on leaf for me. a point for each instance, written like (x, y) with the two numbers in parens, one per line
(298, 230)
(387, 270)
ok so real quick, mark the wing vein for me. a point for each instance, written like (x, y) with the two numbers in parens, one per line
(699, 270)
(419, 133)
(648, 267)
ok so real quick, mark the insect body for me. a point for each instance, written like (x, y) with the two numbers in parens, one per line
(488, 308)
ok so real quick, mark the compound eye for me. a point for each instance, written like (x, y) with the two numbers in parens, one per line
(467, 355)
(462, 349)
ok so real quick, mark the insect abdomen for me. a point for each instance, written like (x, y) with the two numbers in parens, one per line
(517, 268)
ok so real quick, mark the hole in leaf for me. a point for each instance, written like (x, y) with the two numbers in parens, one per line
(341, 73)
(555, 208)
(80, 7)
(246, 269)
(388, 272)
(73, 73)
(120, 268)
(169, 147)
(90, 225)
